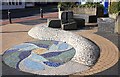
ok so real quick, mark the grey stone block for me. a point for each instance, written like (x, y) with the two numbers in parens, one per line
(67, 21)
(80, 22)
(54, 23)
(69, 26)
(88, 18)
(66, 15)
(106, 25)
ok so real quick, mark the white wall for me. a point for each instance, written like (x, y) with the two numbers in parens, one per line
(16, 4)
(5, 7)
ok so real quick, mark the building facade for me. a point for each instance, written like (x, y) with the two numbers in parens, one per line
(14, 4)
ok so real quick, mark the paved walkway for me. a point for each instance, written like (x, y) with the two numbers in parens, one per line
(46, 15)
(109, 53)
(13, 34)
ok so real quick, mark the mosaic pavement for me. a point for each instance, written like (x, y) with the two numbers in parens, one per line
(39, 56)
(51, 53)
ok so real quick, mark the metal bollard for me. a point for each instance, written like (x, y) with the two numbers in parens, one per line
(9, 16)
(41, 12)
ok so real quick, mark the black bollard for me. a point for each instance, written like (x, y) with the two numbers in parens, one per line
(9, 16)
(41, 12)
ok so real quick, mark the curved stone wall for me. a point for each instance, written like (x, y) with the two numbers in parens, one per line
(87, 52)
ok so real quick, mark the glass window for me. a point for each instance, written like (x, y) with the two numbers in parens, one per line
(13, 3)
(20, 3)
(16, 3)
(4, 3)
(10, 3)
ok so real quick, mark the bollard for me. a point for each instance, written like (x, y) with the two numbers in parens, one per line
(41, 12)
(9, 16)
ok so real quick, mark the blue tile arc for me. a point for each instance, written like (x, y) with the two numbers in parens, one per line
(11, 59)
(52, 64)
(10, 51)
(37, 58)
(63, 57)
(43, 45)
(24, 54)
(26, 46)
(33, 65)
(51, 54)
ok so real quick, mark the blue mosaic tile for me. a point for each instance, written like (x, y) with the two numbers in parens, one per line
(53, 47)
(33, 65)
(24, 54)
(26, 46)
(53, 64)
(23, 45)
(50, 54)
(12, 59)
(10, 51)
(44, 42)
(17, 65)
(43, 45)
(37, 58)
(55, 42)
(62, 46)
(63, 57)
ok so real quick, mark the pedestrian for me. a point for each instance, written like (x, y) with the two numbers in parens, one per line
(41, 12)
(9, 16)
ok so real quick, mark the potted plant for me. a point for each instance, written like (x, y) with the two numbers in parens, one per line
(93, 8)
(66, 5)
(114, 9)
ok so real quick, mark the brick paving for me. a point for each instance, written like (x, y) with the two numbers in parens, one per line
(13, 34)
(109, 53)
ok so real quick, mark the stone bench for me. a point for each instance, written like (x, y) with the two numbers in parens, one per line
(54, 23)
(88, 18)
(80, 22)
(67, 21)
(69, 26)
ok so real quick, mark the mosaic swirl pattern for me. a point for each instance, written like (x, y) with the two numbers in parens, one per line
(35, 55)
(87, 52)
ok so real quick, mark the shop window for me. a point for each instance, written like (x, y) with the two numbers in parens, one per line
(20, 3)
(16, 3)
(13, 3)
(10, 3)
